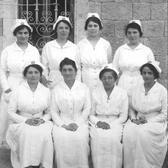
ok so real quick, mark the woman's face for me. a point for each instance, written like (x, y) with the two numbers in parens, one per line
(63, 30)
(93, 29)
(108, 80)
(68, 72)
(133, 35)
(33, 75)
(22, 36)
(147, 75)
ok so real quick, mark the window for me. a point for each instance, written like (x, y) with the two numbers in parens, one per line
(41, 15)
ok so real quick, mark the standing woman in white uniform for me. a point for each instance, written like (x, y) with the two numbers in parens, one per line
(70, 109)
(29, 134)
(94, 51)
(145, 139)
(109, 112)
(58, 49)
(131, 56)
(13, 59)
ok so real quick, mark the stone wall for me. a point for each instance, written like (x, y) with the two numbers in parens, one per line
(115, 14)
(8, 13)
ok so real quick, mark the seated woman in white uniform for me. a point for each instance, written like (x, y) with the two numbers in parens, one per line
(109, 112)
(70, 109)
(29, 134)
(13, 59)
(145, 141)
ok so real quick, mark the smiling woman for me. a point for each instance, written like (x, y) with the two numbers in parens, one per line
(131, 56)
(94, 51)
(13, 59)
(56, 50)
(29, 134)
(108, 113)
(70, 108)
(147, 128)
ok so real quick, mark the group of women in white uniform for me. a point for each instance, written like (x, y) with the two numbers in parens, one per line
(113, 108)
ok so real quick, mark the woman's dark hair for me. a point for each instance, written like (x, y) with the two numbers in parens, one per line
(95, 20)
(134, 26)
(152, 68)
(67, 61)
(36, 66)
(67, 23)
(20, 28)
(108, 70)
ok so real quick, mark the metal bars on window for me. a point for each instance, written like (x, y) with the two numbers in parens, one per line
(41, 15)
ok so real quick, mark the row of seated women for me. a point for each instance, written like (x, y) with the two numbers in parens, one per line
(32, 133)
(90, 56)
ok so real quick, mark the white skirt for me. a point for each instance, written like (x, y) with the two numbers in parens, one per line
(106, 147)
(4, 121)
(30, 145)
(14, 81)
(145, 145)
(71, 148)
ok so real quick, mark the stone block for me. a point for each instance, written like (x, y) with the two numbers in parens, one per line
(12, 7)
(108, 28)
(153, 28)
(158, 45)
(95, 7)
(8, 37)
(141, 11)
(116, 11)
(1, 26)
(81, 10)
(159, 11)
(120, 28)
(116, 42)
(166, 29)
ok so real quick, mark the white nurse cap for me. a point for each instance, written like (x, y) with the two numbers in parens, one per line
(93, 15)
(137, 22)
(156, 65)
(34, 63)
(60, 18)
(19, 22)
(111, 67)
(89, 15)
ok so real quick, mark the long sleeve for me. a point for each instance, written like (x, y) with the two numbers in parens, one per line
(93, 118)
(55, 111)
(131, 114)
(45, 61)
(109, 53)
(12, 109)
(78, 62)
(123, 110)
(3, 70)
(163, 114)
(116, 59)
(47, 114)
(86, 107)
(150, 55)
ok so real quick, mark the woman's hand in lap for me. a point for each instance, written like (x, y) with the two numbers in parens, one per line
(139, 121)
(71, 127)
(103, 125)
(34, 121)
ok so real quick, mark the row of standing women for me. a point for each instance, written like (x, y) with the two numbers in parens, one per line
(70, 105)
